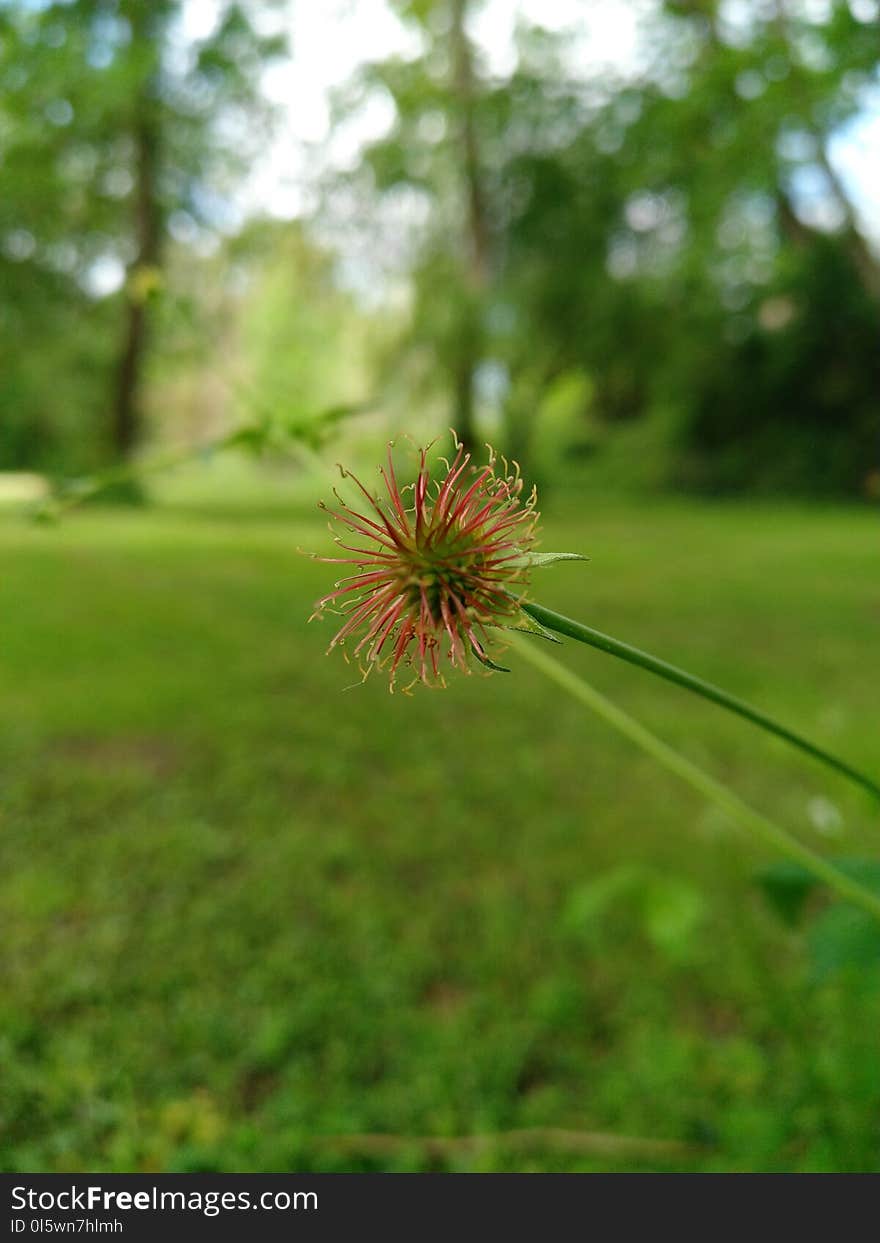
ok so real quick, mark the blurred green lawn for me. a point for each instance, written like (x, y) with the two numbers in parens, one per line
(244, 909)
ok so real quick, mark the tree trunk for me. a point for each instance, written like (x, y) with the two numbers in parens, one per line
(476, 225)
(463, 399)
(127, 414)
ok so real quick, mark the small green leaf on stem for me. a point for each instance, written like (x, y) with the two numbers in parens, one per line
(527, 625)
(537, 560)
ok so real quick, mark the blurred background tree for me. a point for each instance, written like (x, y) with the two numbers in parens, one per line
(671, 244)
(440, 150)
(723, 270)
(119, 131)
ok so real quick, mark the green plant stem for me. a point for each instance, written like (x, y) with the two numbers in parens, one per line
(760, 826)
(127, 472)
(258, 434)
(133, 472)
(614, 647)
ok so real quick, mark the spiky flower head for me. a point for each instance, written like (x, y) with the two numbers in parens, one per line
(438, 563)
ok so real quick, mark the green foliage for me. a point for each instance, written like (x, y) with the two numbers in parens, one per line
(667, 910)
(679, 237)
(844, 940)
(303, 342)
(92, 90)
(811, 418)
(702, 280)
(449, 138)
(570, 254)
(841, 940)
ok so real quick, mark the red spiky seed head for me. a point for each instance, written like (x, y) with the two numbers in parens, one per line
(438, 562)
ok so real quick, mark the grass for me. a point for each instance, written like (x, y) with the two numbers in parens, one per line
(246, 913)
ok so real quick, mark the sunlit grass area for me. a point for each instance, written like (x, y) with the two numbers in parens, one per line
(247, 912)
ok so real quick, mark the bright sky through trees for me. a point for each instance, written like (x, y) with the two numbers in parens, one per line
(332, 39)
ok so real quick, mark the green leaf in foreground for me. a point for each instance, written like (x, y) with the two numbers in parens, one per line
(842, 937)
(787, 885)
(666, 909)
